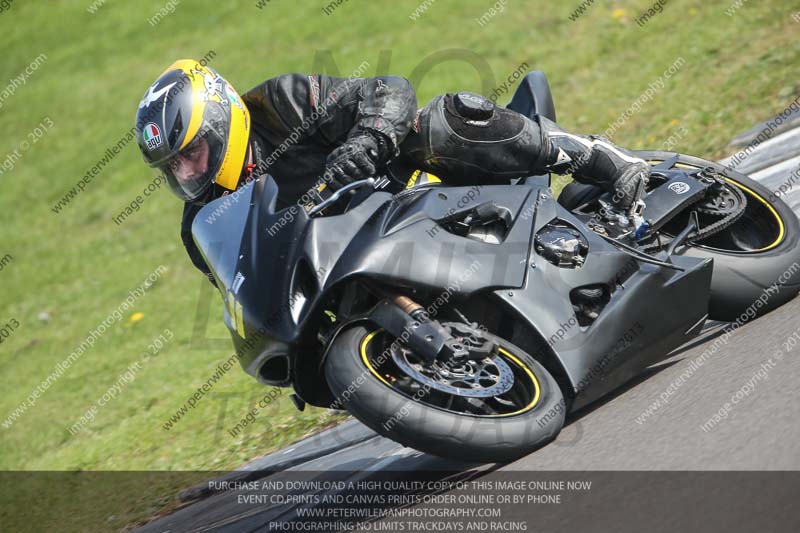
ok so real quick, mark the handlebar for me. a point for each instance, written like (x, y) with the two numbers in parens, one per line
(341, 192)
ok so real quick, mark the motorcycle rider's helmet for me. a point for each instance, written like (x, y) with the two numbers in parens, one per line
(194, 128)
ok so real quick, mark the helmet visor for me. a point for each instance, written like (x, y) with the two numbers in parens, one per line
(192, 171)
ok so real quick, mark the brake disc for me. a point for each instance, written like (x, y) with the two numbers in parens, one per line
(472, 378)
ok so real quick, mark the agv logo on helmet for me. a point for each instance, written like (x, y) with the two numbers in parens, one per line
(152, 136)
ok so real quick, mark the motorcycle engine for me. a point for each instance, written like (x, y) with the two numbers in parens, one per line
(561, 245)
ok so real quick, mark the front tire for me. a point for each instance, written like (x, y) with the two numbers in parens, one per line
(356, 376)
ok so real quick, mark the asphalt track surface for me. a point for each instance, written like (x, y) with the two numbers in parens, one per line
(760, 430)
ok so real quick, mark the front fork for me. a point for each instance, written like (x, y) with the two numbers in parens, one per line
(407, 321)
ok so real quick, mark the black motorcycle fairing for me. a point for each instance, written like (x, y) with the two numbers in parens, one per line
(649, 309)
(218, 229)
(274, 266)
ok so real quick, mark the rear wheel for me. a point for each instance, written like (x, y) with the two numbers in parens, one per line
(493, 410)
(756, 258)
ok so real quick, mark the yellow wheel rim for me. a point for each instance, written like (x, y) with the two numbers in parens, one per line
(537, 389)
(754, 194)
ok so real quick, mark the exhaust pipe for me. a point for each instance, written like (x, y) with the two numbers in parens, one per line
(274, 370)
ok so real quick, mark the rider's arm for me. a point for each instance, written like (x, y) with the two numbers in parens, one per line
(328, 110)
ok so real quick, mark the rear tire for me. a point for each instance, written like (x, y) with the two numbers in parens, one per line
(743, 281)
(499, 438)
(749, 283)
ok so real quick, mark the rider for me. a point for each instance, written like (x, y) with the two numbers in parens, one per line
(207, 140)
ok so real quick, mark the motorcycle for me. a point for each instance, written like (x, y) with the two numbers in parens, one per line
(467, 322)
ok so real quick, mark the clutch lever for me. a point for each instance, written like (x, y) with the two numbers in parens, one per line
(335, 197)
(361, 195)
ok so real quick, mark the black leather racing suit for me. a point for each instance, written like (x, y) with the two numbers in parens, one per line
(297, 120)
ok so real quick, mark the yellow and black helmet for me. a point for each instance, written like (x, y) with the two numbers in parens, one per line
(193, 126)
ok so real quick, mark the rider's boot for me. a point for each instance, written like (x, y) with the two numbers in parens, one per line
(593, 160)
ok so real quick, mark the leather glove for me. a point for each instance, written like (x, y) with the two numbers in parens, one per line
(357, 159)
(628, 183)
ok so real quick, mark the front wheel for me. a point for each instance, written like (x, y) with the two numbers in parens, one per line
(493, 410)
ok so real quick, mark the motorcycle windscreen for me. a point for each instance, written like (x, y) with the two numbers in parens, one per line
(218, 229)
(222, 231)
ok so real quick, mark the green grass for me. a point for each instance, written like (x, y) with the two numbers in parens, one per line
(78, 266)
